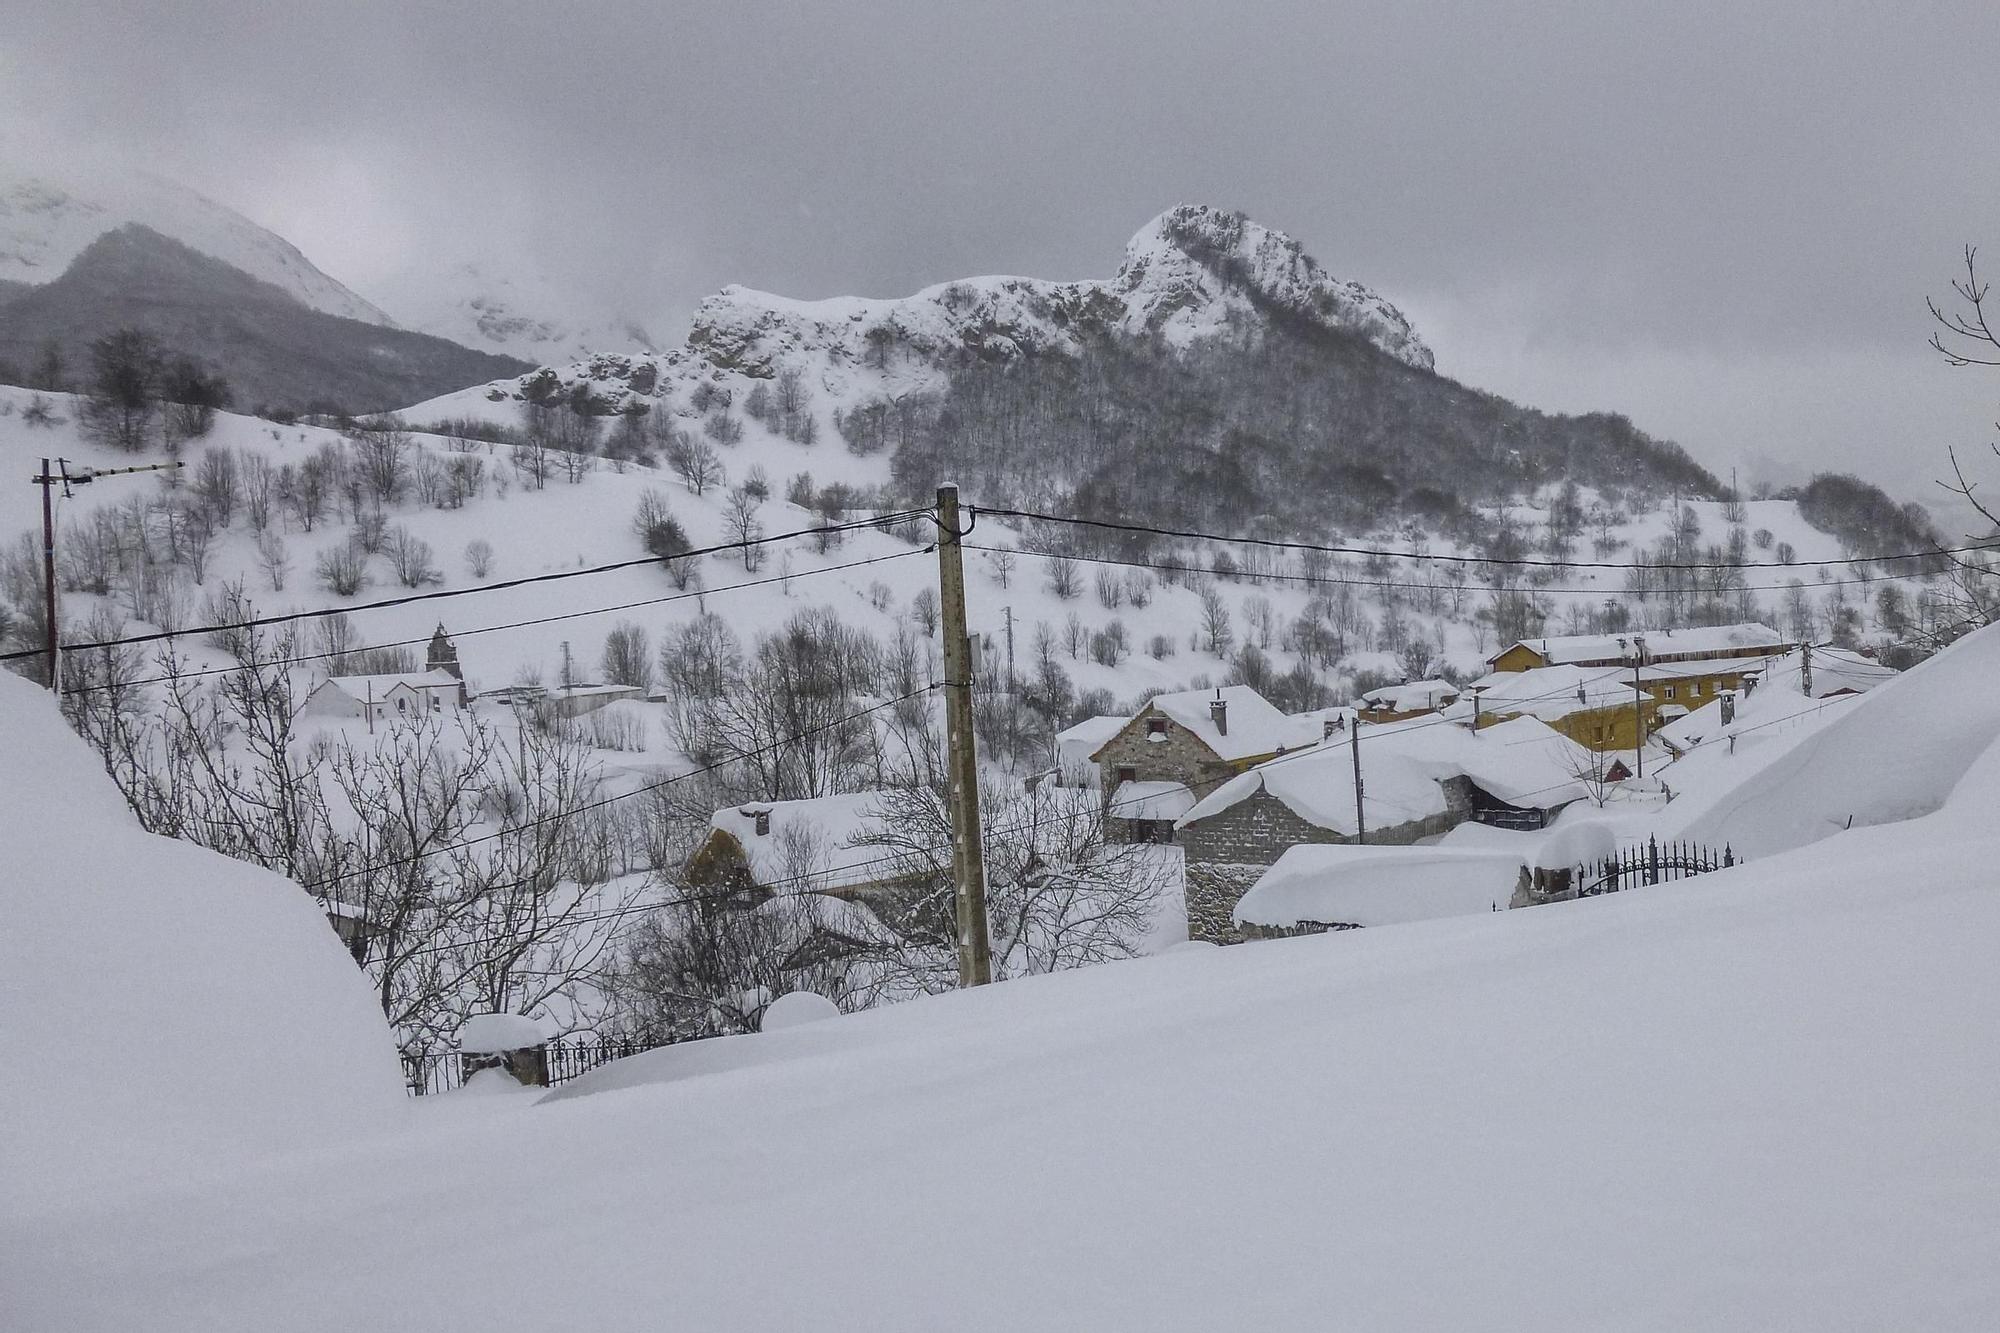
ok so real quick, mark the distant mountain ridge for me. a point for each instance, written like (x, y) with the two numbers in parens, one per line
(511, 314)
(273, 348)
(1221, 373)
(1192, 274)
(46, 223)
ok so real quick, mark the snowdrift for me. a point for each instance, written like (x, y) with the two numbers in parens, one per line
(160, 1005)
(1896, 753)
(1759, 1099)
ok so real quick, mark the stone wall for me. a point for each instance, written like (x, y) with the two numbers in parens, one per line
(1213, 889)
(1229, 850)
(1178, 756)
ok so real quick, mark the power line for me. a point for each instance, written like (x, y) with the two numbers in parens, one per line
(1362, 581)
(489, 629)
(441, 593)
(1518, 561)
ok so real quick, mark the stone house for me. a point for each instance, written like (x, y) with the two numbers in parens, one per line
(1180, 747)
(1417, 783)
(766, 848)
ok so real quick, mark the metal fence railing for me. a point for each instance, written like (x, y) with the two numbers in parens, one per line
(427, 1073)
(1654, 862)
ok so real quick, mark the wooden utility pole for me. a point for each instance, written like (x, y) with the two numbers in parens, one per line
(1638, 709)
(968, 855)
(1805, 670)
(48, 479)
(1013, 695)
(48, 483)
(1354, 748)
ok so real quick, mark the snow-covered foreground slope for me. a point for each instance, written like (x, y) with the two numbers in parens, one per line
(46, 221)
(1758, 1100)
(160, 1005)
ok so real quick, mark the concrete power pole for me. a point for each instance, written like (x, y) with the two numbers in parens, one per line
(48, 484)
(48, 480)
(968, 855)
(1013, 696)
(1638, 708)
(1354, 748)
(1805, 670)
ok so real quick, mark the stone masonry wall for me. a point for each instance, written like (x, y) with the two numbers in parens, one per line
(1179, 756)
(1229, 850)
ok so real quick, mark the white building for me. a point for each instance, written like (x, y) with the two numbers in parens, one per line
(403, 697)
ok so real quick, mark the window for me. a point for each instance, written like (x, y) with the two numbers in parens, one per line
(1126, 773)
(1156, 726)
(402, 704)
(1667, 693)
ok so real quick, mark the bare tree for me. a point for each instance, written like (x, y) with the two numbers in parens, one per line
(695, 463)
(275, 558)
(479, 557)
(628, 657)
(741, 522)
(342, 569)
(1215, 626)
(410, 556)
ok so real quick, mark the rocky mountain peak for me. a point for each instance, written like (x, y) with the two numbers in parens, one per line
(1190, 267)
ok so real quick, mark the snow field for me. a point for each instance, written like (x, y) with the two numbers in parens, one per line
(1714, 1108)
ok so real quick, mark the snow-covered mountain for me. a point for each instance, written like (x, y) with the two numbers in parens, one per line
(1192, 273)
(490, 311)
(47, 220)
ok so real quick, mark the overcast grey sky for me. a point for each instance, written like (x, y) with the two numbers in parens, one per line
(1721, 219)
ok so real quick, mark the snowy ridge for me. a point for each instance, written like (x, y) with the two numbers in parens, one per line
(1192, 273)
(45, 223)
(510, 315)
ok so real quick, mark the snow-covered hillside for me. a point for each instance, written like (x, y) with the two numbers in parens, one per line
(536, 531)
(1194, 272)
(511, 314)
(47, 220)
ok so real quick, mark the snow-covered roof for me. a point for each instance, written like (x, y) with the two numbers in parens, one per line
(1378, 886)
(1093, 729)
(1780, 692)
(364, 688)
(1151, 800)
(1702, 666)
(492, 1034)
(1411, 695)
(1548, 693)
(1563, 649)
(814, 838)
(1089, 734)
(1254, 726)
(1522, 762)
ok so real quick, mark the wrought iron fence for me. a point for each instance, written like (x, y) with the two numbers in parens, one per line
(1652, 863)
(427, 1073)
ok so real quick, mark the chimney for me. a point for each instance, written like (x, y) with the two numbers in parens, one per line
(1332, 726)
(1218, 713)
(760, 817)
(1728, 707)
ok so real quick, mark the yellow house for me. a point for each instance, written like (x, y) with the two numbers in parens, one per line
(1660, 647)
(1597, 707)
